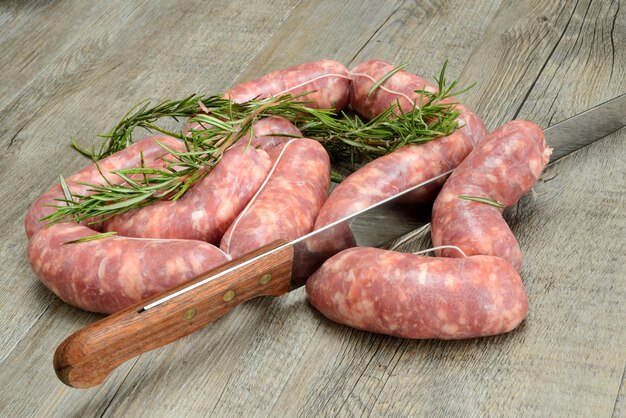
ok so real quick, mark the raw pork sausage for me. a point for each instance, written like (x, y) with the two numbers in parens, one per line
(380, 179)
(398, 171)
(286, 206)
(207, 209)
(393, 173)
(329, 81)
(110, 274)
(504, 166)
(419, 297)
(211, 205)
(400, 87)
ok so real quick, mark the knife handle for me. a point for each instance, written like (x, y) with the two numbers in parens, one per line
(88, 356)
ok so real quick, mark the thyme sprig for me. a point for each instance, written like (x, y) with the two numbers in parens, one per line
(348, 140)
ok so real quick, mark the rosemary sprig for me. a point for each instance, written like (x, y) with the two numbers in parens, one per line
(142, 115)
(227, 123)
(349, 140)
(352, 140)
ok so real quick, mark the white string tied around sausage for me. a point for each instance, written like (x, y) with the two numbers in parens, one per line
(228, 239)
(451, 247)
(382, 87)
(413, 102)
(319, 77)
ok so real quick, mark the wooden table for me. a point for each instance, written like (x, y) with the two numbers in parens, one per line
(71, 69)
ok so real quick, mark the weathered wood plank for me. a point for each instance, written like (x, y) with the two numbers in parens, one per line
(425, 34)
(547, 61)
(117, 68)
(33, 34)
(320, 30)
(280, 357)
(374, 380)
(238, 391)
(24, 162)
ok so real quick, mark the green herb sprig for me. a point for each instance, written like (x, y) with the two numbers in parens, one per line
(348, 140)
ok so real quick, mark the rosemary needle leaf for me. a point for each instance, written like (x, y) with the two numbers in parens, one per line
(385, 78)
(66, 189)
(80, 149)
(483, 200)
(126, 203)
(91, 238)
(69, 199)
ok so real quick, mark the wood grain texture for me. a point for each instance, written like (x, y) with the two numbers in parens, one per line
(33, 34)
(544, 61)
(104, 66)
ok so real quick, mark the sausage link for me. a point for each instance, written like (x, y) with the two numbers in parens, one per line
(400, 88)
(110, 274)
(329, 81)
(504, 166)
(207, 209)
(380, 179)
(394, 173)
(419, 297)
(286, 206)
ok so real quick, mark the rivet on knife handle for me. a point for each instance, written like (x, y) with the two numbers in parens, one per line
(88, 356)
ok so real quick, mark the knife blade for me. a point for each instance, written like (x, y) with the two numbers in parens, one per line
(584, 128)
(88, 356)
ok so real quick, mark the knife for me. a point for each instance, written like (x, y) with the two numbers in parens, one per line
(88, 356)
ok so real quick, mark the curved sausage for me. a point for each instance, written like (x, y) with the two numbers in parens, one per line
(329, 81)
(393, 173)
(110, 274)
(403, 168)
(286, 206)
(209, 206)
(504, 166)
(419, 297)
(381, 179)
(400, 87)
(153, 155)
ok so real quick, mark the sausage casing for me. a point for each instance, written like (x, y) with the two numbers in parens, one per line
(504, 166)
(412, 296)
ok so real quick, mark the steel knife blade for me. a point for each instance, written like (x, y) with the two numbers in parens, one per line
(88, 356)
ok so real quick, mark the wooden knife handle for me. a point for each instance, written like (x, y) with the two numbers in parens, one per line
(88, 356)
